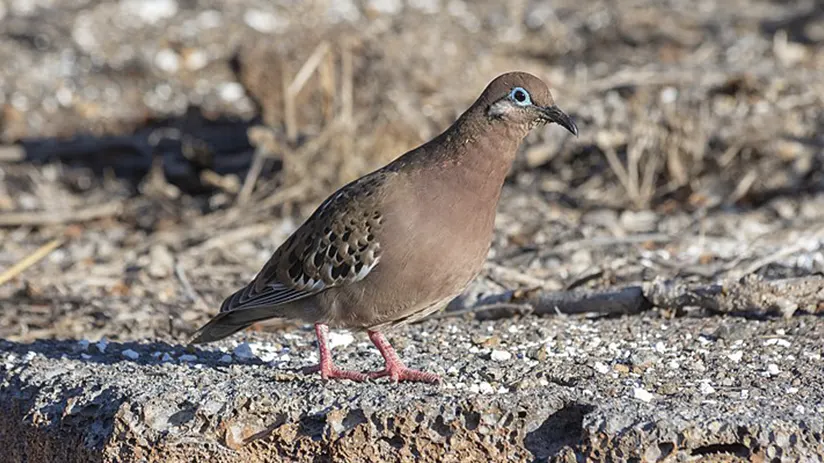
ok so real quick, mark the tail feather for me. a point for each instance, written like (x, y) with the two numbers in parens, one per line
(228, 323)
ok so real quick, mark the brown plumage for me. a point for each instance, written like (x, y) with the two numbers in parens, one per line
(401, 242)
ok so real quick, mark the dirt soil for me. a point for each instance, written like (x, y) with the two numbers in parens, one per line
(154, 153)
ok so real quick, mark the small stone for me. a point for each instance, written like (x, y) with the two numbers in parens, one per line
(187, 358)
(772, 369)
(500, 355)
(166, 357)
(243, 351)
(167, 61)
(195, 60)
(264, 21)
(389, 7)
(485, 388)
(669, 95)
(340, 339)
(706, 388)
(736, 356)
(226, 358)
(621, 368)
(642, 394)
(161, 262)
(130, 354)
(83, 344)
(601, 368)
(102, 345)
(150, 11)
(231, 91)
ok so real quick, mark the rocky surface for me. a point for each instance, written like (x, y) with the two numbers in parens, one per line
(531, 389)
(125, 142)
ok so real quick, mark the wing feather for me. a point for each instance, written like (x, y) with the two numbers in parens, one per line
(337, 245)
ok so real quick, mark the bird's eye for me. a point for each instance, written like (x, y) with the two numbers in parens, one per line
(520, 96)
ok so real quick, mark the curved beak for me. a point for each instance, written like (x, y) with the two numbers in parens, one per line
(554, 114)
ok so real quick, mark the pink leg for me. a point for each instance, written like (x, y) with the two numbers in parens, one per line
(395, 369)
(327, 369)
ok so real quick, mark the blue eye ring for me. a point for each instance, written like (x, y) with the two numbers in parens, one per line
(520, 96)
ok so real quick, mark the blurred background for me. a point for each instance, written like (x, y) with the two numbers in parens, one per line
(153, 153)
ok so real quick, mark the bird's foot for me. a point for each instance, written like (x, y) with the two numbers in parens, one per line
(333, 372)
(403, 373)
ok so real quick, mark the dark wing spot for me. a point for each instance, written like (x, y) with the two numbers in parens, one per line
(318, 259)
(295, 270)
(370, 237)
(340, 271)
(331, 251)
(358, 266)
(363, 247)
(333, 236)
(293, 257)
(347, 234)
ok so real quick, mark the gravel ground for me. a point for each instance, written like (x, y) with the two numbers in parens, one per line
(129, 128)
(531, 389)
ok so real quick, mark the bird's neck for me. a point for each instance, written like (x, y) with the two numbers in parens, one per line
(474, 152)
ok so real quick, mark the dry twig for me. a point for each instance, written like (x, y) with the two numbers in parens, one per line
(14, 219)
(749, 296)
(31, 259)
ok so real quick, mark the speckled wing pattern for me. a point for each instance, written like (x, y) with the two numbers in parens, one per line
(335, 246)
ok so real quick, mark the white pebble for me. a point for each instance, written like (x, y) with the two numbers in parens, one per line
(102, 345)
(486, 388)
(706, 388)
(601, 368)
(225, 359)
(426, 6)
(386, 6)
(130, 354)
(243, 351)
(772, 369)
(84, 344)
(150, 11)
(641, 394)
(166, 357)
(474, 389)
(340, 339)
(167, 60)
(669, 95)
(209, 19)
(196, 60)
(64, 96)
(452, 370)
(660, 347)
(736, 356)
(231, 91)
(792, 390)
(85, 356)
(500, 355)
(264, 21)
(187, 358)
(745, 393)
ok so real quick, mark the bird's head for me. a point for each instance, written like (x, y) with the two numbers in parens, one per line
(523, 100)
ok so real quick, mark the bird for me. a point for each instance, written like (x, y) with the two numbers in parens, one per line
(401, 242)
